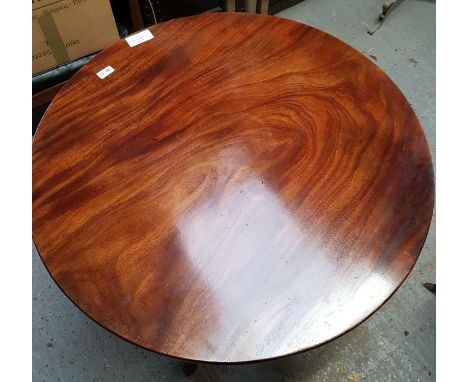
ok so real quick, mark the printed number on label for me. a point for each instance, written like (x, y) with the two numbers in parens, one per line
(139, 37)
(105, 72)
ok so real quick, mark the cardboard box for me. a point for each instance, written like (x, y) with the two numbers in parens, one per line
(65, 30)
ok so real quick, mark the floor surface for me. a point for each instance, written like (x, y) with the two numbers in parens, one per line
(396, 344)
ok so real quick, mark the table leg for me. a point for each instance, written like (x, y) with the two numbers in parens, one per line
(431, 287)
(189, 368)
(264, 6)
(251, 6)
(230, 5)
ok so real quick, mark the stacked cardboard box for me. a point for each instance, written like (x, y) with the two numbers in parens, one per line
(65, 30)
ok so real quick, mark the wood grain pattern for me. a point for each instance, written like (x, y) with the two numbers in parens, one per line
(46, 95)
(242, 187)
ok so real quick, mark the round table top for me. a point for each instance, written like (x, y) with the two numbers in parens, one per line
(240, 188)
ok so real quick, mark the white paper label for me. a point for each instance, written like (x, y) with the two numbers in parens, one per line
(105, 72)
(139, 37)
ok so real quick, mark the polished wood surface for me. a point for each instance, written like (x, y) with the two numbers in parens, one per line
(242, 187)
(46, 95)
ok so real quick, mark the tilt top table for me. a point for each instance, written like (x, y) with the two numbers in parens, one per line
(239, 188)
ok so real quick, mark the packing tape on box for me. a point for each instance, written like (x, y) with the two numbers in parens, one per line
(53, 38)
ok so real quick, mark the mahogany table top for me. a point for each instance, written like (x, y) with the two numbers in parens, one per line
(240, 188)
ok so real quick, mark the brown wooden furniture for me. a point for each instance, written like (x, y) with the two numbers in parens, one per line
(241, 187)
(46, 95)
(135, 15)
